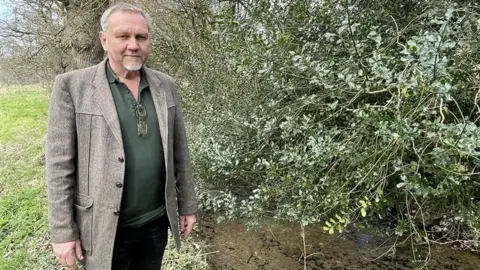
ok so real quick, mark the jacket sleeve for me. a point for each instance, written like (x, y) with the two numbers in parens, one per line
(187, 203)
(60, 160)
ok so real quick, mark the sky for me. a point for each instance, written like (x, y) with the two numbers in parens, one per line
(4, 9)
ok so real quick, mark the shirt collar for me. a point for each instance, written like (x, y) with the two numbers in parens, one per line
(113, 78)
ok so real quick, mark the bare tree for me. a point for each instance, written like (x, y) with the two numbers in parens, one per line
(48, 37)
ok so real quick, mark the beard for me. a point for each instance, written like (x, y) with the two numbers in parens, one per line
(132, 67)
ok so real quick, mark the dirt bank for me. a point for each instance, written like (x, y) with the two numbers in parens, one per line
(282, 247)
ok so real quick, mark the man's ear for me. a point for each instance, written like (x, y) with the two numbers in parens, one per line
(103, 40)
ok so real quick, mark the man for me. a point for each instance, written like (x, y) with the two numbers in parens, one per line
(118, 169)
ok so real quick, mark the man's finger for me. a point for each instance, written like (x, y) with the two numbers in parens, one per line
(78, 250)
(182, 224)
(189, 228)
(71, 261)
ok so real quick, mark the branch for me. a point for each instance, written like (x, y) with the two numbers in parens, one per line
(442, 37)
(440, 109)
(12, 35)
(355, 43)
(13, 29)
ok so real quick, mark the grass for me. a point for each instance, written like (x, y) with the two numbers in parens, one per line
(24, 240)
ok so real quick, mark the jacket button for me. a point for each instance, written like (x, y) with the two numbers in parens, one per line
(116, 212)
(119, 185)
(121, 159)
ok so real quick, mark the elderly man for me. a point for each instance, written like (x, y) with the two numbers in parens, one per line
(118, 168)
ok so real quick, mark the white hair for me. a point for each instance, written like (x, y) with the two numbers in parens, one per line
(125, 7)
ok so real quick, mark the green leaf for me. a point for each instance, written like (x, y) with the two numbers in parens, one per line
(331, 231)
(379, 191)
(449, 13)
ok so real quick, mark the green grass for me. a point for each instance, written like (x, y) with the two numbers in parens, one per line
(23, 207)
(24, 240)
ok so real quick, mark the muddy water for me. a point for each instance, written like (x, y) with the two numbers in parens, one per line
(282, 247)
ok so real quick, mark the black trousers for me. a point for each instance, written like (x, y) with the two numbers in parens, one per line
(141, 248)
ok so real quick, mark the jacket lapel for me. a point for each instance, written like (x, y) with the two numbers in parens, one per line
(159, 99)
(103, 97)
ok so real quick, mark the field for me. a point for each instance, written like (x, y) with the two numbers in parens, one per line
(24, 240)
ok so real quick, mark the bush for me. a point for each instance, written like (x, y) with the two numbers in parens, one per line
(314, 112)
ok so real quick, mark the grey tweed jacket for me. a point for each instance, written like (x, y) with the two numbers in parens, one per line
(85, 160)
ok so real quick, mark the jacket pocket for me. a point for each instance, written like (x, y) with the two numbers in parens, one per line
(84, 219)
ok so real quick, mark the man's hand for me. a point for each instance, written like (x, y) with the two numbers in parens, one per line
(186, 225)
(68, 253)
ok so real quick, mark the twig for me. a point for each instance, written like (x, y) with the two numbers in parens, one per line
(477, 95)
(396, 27)
(463, 242)
(304, 247)
(442, 37)
(399, 102)
(198, 255)
(440, 109)
(270, 230)
(355, 43)
(412, 226)
(429, 255)
(416, 153)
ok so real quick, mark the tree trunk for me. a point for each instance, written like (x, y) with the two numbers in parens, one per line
(82, 27)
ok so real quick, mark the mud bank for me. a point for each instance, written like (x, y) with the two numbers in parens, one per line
(233, 247)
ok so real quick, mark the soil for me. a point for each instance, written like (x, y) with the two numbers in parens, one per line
(233, 247)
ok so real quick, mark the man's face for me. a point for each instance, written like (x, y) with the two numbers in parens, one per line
(126, 40)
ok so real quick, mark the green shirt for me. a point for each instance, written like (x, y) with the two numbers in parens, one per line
(143, 197)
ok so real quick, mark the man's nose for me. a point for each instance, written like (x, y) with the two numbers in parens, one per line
(132, 44)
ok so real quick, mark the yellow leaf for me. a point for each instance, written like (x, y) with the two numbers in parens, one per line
(363, 203)
(340, 219)
(331, 231)
(363, 212)
(339, 228)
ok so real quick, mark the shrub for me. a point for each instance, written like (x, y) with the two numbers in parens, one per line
(345, 113)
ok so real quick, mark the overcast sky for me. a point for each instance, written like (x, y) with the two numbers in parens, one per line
(4, 9)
